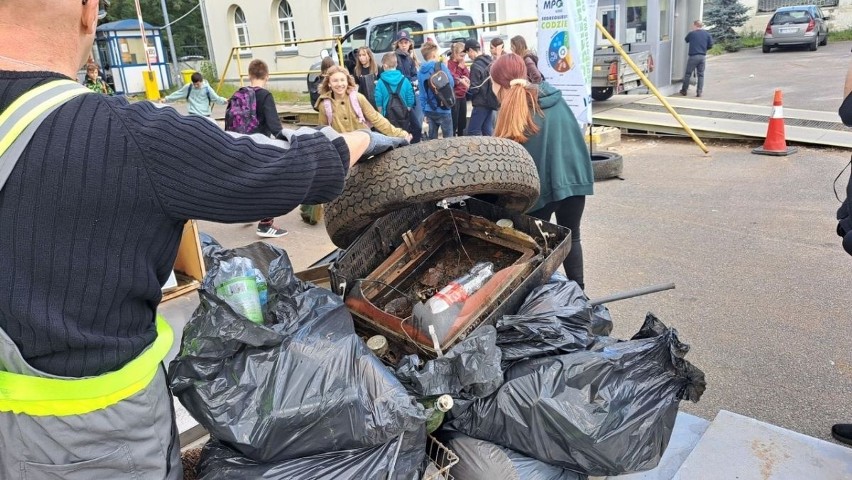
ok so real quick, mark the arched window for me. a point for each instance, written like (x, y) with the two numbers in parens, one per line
(241, 30)
(286, 25)
(339, 17)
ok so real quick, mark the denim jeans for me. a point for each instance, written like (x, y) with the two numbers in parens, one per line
(481, 122)
(442, 120)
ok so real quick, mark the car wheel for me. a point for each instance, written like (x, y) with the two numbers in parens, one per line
(431, 171)
(767, 49)
(824, 40)
(607, 165)
(602, 93)
(813, 46)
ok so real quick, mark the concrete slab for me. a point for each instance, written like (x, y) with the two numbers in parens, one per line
(744, 448)
(688, 430)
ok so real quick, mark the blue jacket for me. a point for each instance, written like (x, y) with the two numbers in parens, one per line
(198, 99)
(405, 65)
(427, 96)
(393, 78)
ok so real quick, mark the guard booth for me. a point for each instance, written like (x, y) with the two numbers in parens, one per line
(657, 26)
(122, 53)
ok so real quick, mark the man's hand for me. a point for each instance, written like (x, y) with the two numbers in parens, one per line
(357, 142)
(381, 143)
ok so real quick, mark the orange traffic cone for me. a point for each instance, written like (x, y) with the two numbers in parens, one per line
(775, 143)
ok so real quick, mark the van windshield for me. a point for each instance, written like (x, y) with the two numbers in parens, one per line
(791, 16)
(445, 39)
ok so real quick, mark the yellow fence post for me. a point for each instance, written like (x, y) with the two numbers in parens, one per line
(651, 86)
(152, 87)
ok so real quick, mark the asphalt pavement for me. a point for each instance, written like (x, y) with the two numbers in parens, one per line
(763, 286)
(808, 80)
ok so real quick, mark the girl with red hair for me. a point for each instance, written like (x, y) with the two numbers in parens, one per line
(537, 117)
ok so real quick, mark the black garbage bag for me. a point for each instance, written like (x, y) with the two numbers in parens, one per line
(598, 412)
(469, 370)
(403, 458)
(481, 460)
(554, 319)
(302, 384)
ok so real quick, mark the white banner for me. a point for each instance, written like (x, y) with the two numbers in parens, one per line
(566, 43)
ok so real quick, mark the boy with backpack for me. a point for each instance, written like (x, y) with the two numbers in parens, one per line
(251, 110)
(436, 92)
(394, 93)
(198, 95)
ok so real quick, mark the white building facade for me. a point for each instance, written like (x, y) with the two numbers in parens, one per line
(654, 25)
(840, 12)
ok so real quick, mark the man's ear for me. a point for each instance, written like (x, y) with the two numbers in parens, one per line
(89, 16)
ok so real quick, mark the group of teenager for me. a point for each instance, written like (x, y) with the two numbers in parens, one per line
(401, 77)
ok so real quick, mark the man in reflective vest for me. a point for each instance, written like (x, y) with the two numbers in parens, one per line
(94, 194)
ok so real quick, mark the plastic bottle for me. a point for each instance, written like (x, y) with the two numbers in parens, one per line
(262, 287)
(461, 288)
(236, 284)
(439, 406)
(436, 317)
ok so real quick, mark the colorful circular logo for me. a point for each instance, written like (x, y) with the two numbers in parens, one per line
(559, 52)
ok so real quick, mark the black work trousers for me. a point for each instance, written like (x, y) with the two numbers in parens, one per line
(569, 212)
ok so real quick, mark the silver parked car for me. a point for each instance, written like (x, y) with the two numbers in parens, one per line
(799, 25)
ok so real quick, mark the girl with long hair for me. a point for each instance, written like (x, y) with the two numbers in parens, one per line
(461, 77)
(519, 47)
(345, 109)
(366, 72)
(537, 117)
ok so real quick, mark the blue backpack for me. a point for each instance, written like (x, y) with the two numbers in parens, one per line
(241, 113)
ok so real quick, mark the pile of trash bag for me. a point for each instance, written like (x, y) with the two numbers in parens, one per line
(301, 384)
(613, 403)
(481, 460)
(545, 394)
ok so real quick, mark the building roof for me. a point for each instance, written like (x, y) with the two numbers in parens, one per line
(121, 25)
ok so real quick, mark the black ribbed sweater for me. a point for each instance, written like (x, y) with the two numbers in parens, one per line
(91, 217)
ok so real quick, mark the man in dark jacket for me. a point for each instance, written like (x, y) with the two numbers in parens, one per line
(405, 64)
(842, 432)
(699, 41)
(482, 97)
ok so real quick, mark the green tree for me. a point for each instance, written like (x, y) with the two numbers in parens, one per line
(188, 32)
(722, 17)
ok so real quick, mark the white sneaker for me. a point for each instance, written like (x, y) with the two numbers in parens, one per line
(270, 231)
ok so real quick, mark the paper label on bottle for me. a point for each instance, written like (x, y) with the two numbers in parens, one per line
(241, 295)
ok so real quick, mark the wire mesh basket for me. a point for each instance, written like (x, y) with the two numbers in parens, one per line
(441, 460)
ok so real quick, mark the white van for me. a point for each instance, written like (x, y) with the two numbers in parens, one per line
(378, 32)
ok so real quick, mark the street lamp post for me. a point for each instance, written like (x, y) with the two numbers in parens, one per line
(175, 68)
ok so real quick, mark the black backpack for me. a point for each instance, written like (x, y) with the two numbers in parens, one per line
(439, 82)
(396, 112)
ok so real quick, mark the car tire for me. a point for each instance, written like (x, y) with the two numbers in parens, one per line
(607, 165)
(824, 40)
(813, 45)
(431, 171)
(602, 93)
(767, 49)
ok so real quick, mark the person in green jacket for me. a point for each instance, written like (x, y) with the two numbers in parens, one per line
(537, 117)
(198, 95)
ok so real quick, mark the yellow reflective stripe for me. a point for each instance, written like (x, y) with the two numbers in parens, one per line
(39, 396)
(19, 126)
